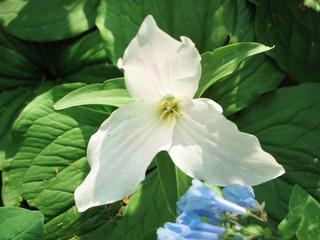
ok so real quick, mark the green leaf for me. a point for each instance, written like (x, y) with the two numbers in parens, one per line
(147, 209)
(174, 183)
(288, 226)
(85, 60)
(12, 102)
(19, 84)
(150, 235)
(223, 61)
(15, 69)
(111, 92)
(36, 20)
(80, 59)
(310, 223)
(45, 162)
(168, 181)
(286, 123)
(303, 217)
(299, 197)
(255, 229)
(210, 24)
(19, 223)
(253, 77)
(294, 29)
(314, 4)
(183, 182)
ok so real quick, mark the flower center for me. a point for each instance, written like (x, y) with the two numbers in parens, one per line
(169, 109)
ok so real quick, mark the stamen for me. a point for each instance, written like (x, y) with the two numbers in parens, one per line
(161, 105)
(169, 109)
(176, 113)
(175, 101)
(169, 118)
(163, 114)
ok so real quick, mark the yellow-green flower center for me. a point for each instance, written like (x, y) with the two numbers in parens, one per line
(168, 107)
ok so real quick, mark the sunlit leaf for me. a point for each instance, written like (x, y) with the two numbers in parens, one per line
(45, 162)
(210, 24)
(112, 92)
(19, 223)
(303, 218)
(223, 61)
(253, 77)
(36, 20)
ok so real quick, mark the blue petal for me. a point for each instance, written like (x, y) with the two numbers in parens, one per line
(167, 234)
(240, 195)
(205, 202)
(198, 197)
(194, 221)
(185, 232)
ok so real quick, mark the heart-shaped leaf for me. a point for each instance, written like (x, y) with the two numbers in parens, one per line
(287, 125)
(45, 162)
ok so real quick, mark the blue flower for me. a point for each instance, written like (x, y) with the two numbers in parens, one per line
(205, 202)
(240, 195)
(200, 201)
(176, 231)
(194, 221)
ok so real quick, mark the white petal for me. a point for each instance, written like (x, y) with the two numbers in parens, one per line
(156, 65)
(120, 152)
(208, 146)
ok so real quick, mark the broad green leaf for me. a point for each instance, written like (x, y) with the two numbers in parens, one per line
(76, 60)
(15, 69)
(80, 59)
(112, 92)
(45, 162)
(42, 55)
(19, 83)
(210, 24)
(295, 31)
(223, 61)
(303, 217)
(147, 209)
(287, 124)
(20, 223)
(85, 60)
(37, 20)
(253, 77)
(12, 102)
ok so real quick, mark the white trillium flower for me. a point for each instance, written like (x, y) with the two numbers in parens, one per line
(162, 75)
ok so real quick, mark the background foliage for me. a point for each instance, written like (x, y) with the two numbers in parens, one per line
(48, 49)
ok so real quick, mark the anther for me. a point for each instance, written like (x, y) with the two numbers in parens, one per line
(162, 105)
(169, 109)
